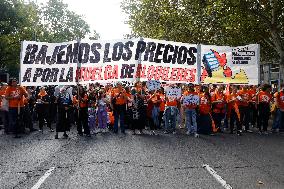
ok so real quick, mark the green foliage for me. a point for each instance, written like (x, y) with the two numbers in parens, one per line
(220, 22)
(20, 21)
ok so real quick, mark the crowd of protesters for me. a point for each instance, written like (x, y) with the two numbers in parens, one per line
(102, 108)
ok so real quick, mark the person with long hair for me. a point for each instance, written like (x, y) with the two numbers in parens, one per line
(64, 102)
(233, 111)
(263, 100)
(204, 124)
(15, 95)
(81, 105)
(43, 109)
(139, 110)
(218, 106)
(118, 100)
(102, 114)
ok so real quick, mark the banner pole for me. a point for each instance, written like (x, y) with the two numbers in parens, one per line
(139, 61)
(21, 61)
(199, 64)
(258, 63)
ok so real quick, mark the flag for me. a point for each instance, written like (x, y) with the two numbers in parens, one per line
(214, 129)
(237, 111)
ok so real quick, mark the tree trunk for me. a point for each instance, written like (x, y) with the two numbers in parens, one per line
(281, 67)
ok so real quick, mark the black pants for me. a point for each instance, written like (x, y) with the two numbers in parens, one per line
(82, 121)
(253, 113)
(43, 115)
(217, 117)
(263, 116)
(245, 116)
(161, 114)
(234, 120)
(28, 120)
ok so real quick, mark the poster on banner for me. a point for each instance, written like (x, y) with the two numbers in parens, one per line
(234, 65)
(167, 61)
(153, 85)
(173, 92)
(191, 99)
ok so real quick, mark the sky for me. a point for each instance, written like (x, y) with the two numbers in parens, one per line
(104, 16)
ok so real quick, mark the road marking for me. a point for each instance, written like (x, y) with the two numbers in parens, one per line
(217, 177)
(42, 179)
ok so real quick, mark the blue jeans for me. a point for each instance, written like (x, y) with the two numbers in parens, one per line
(15, 120)
(119, 113)
(277, 120)
(190, 122)
(170, 118)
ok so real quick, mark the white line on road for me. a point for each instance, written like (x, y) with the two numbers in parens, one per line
(42, 179)
(217, 177)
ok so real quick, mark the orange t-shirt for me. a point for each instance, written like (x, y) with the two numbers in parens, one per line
(204, 106)
(81, 104)
(120, 100)
(245, 95)
(264, 97)
(2, 92)
(13, 92)
(280, 99)
(162, 104)
(171, 103)
(220, 105)
(252, 93)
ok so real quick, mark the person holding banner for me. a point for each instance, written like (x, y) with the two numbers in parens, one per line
(154, 102)
(15, 95)
(252, 106)
(102, 111)
(81, 105)
(118, 100)
(218, 106)
(43, 109)
(190, 103)
(64, 102)
(162, 106)
(4, 108)
(244, 99)
(171, 111)
(204, 119)
(264, 99)
(278, 123)
(233, 111)
(139, 114)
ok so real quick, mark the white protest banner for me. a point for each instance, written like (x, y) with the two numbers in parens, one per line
(77, 62)
(42, 64)
(234, 65)
(153, 85)
(128, 60)
(167, 61)
(191, 99)
(173, 92)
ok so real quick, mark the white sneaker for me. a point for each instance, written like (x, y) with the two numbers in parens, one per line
(187, 132)
(174, 132)
(196, 135)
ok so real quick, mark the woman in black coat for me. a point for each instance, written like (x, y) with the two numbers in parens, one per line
(64, 102)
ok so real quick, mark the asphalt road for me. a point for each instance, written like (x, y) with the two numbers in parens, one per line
(142, 161)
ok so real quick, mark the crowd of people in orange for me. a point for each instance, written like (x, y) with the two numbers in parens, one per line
(102, 108)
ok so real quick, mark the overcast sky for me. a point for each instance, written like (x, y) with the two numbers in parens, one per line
(105, 16)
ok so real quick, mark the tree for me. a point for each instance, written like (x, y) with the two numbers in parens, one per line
(15, 22)
(20, 21)
(61, 24)
(220, 22)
